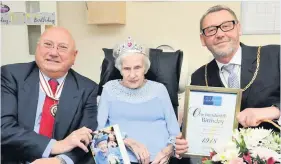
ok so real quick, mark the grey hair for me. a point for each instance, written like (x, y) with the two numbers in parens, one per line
(118, 61)
(215, 9)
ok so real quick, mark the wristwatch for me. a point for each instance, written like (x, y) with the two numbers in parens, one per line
(62, 161)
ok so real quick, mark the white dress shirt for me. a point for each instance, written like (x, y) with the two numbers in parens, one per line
(237, 60)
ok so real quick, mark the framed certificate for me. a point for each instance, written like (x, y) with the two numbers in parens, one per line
(209, 117)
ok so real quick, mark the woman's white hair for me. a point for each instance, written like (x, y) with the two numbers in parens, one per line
(119, 58)
(130, 47)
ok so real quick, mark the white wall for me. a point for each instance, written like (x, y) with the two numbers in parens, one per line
(14, 39)
(149, 23)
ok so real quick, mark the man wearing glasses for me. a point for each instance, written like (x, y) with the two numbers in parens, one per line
(257, 71)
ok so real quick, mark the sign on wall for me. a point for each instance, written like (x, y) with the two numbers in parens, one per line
(260, 17)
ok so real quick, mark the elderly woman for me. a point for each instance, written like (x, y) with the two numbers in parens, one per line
(103, 153)
(142, 108)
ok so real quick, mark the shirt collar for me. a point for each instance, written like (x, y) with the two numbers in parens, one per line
(59, 80)
(236, 59)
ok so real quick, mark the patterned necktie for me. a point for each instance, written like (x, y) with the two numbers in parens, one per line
(47, 120)
(233, 81)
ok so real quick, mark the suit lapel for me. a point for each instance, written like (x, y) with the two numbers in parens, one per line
(248, 67)
(68, 104)
(29, 98)
(214, 79)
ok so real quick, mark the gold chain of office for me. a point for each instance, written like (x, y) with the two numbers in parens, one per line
(255, 74)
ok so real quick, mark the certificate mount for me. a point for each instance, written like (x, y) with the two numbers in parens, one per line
(209, 117)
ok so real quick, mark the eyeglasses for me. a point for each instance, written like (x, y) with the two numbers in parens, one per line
(225, 26)
(62, 47)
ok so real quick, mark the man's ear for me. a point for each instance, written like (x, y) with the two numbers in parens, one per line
(239, 28)
(202, 40)
(75, 54)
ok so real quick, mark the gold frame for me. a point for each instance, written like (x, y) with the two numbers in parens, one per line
(208, 89)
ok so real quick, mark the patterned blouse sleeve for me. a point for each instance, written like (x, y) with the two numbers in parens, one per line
(170, 117)
(103, 109)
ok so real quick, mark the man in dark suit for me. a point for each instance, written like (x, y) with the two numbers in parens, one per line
(256, 70)
(48, 111)
(234, 66)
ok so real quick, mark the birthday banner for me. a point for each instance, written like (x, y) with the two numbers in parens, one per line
(21, 18)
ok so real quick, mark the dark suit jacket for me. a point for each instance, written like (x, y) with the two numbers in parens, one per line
(19, 97)
(265, 91)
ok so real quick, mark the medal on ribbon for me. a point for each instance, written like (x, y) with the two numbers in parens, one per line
(44, 85)
(53, 109)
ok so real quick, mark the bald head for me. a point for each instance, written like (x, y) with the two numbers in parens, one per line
(55, 52)
(59, 31)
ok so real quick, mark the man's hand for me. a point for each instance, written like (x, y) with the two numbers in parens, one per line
(78, 138)
(251, 117)
(164, 155)
(181, 145)
(46, 161)
(139, 150)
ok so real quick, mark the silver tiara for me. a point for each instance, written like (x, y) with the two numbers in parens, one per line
(128, 46)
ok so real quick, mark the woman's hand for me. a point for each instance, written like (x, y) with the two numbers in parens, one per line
(139, 150)
(164, 155)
